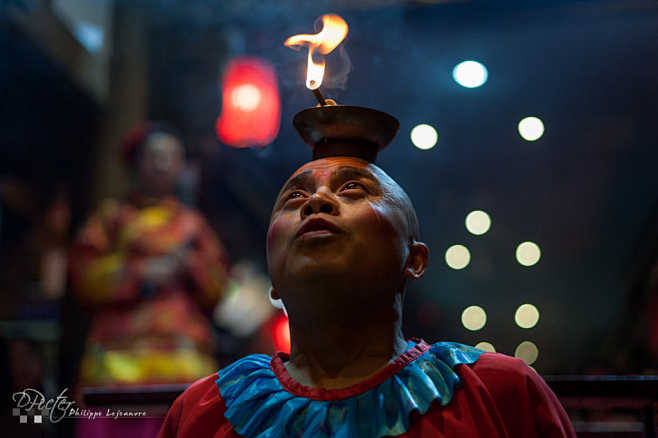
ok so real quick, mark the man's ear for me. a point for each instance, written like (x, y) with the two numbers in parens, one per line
(417, 260)
(274, 295)
(276, 300)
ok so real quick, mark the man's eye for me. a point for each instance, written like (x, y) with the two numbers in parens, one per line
(353, 185)
(294, 195)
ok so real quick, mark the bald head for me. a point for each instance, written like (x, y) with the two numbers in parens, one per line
(399, 198)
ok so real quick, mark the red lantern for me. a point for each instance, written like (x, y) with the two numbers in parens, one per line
(251, 110)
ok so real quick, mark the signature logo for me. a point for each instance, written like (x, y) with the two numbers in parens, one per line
(35, 404)
(31, 403)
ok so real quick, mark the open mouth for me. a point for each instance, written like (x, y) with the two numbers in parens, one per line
(317, 227)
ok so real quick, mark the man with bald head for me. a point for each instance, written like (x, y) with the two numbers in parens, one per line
(342, 244)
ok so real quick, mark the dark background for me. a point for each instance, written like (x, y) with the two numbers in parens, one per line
(585, 192)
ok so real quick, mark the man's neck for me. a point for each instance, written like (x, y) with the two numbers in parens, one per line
(341, 351)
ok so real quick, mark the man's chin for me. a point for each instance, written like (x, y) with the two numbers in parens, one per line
(317, 266)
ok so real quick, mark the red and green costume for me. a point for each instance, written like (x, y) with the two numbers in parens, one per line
(143, 332)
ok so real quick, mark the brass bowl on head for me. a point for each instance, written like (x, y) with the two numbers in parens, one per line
(342, 130)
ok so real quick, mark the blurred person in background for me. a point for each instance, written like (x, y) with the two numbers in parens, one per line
(150, 271)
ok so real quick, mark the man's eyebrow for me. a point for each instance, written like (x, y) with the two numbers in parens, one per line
(297, 181)
(354, 172)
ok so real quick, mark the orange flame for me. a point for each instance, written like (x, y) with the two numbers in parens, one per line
(334, 30)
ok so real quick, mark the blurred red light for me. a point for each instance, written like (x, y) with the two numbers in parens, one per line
(251, 109)
(281, 334)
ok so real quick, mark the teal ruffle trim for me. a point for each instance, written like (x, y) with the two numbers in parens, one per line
(258, 406)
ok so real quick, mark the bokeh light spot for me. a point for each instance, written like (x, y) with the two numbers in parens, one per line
(470, 74)
(281, 333)
(246, 97)
(528, 253)
(424, 136)
(478, 222)
(486, 346)
(458, 257)
(527, 351)
(526, 316)
(531, 128)
(474, 318)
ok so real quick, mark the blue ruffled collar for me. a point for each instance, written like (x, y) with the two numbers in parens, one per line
(262, 403)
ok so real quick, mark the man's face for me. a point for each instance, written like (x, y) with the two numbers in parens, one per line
(337, 219)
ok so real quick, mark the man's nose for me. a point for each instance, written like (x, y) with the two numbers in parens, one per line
(319, 203)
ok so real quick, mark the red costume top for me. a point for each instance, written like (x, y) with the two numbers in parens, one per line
(442, 390)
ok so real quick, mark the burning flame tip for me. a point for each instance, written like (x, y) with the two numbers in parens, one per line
(334, 30)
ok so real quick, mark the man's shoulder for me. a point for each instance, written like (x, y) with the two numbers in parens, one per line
(501, 364)
(198, 411)
(201, 389)
(506, 376)
(209, 385)
(527, 406)
(244, 366)
(497, 365)
(497, 371)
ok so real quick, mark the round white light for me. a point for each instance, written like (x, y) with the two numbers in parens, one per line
(478, 222)
(470, 74)
(246, 97)
(474, 318)
(424, 136)
(527, 351)
(486, 346)
(526, 316)
(528, 253)
(531, 128)
(458, 256)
